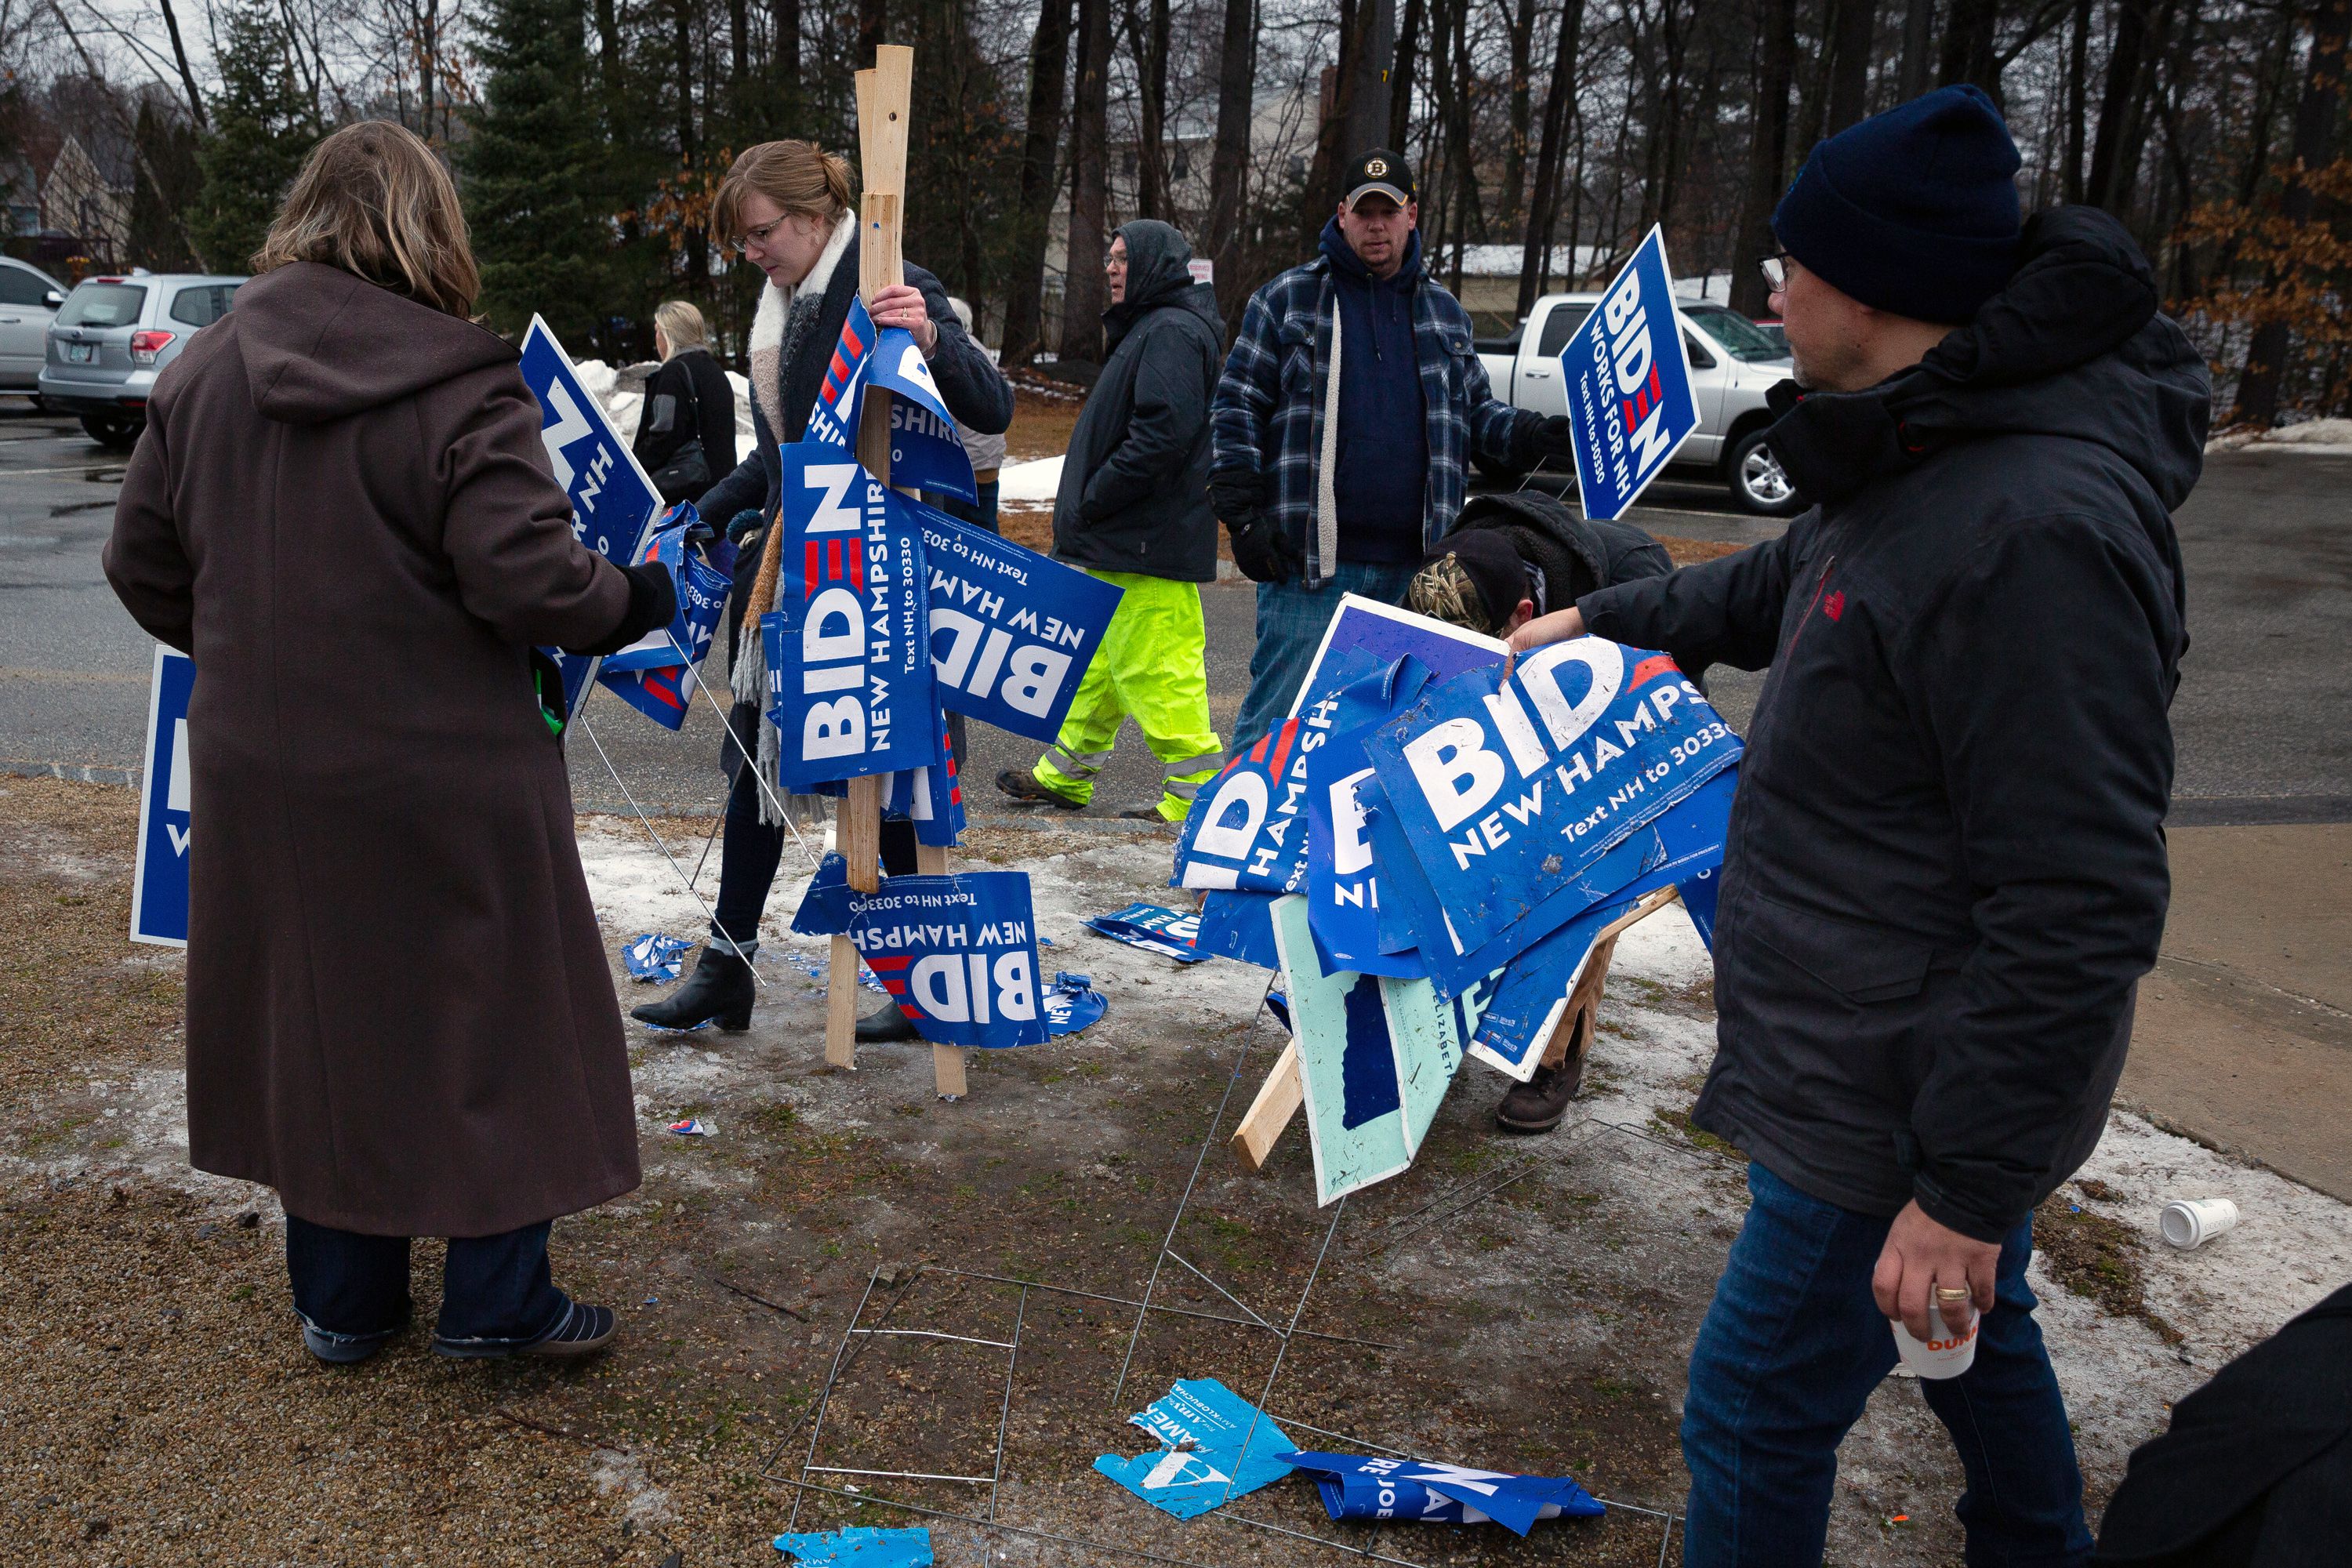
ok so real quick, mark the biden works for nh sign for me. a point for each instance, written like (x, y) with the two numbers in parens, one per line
(1628, 385)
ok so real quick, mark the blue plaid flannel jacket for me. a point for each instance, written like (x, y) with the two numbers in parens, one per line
(1268, 414)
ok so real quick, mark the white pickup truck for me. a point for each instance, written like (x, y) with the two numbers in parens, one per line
(1732, 361)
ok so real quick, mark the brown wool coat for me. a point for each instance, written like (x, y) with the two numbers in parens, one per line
(400, 1011)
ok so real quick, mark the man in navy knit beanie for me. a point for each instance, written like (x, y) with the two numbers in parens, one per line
(1945, 871)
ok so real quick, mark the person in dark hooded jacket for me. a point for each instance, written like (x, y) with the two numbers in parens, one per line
(1134, 510)
(1946, 867)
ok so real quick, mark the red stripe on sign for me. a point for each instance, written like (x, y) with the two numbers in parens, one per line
(836, 374)
(1657, 394)
(832, 560)
(849, 335)
(912, 1013)
(896, 988)
(1257, 752)
(1284, 737)
(879, 964)
(1629, 417)
(857, 565)
(808, 570)
(1656, 665)
(668, 696)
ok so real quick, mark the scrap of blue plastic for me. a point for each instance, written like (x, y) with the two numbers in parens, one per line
(860, 1547)
(1239, 926)
(1354, 1487)
(1215, 1446)
(1154, 929)
(1072, 1003)
(653, 958)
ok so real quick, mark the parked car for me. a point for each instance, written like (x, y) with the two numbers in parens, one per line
(29, 298)
(1733, 364)
(1771, 328)
(113, 335)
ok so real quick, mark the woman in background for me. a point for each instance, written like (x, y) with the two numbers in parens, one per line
(688, 402)
(400, 1010)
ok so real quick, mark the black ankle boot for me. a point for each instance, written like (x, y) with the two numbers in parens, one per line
(886, 1025)
(719, 992)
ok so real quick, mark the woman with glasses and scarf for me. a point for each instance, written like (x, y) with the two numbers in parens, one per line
(785, 208)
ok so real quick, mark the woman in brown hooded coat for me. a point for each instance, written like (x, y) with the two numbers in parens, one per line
(400, 1010)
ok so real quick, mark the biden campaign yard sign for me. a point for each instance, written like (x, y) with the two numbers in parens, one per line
(159, 886)
(1011, 631)
(1628, 385)
(612, 501)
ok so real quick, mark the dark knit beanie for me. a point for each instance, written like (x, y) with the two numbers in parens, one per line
(1913, 211)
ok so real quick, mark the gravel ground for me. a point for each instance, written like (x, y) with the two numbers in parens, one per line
(161, 1410)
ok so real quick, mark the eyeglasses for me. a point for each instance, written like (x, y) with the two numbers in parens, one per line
(759, 237)
(1775, 268)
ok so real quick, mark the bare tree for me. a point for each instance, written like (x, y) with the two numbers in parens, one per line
(1083, 287)
(1543, 206)
(1229, 157)
(1049, 64)
(1767, 155)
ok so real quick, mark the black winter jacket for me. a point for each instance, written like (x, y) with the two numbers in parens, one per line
(1576, 553)
(1946, 868)
(688, 399)
(1135, 486)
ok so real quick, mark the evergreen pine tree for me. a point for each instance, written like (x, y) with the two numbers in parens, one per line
(263, 125)
(159, 232)
(538, 188)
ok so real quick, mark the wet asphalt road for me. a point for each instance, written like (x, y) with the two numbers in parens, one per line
(2261, 718)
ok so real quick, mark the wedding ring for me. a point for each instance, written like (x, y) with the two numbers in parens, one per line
(1951, 1292)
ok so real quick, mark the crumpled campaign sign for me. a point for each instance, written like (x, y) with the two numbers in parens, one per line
(958, 954)
(1683, 849)
(1384, 634)
(1628, 383)
(1239, 926)
(860, 1547)
(1216, 1446)
(1508, 792)
(1354, 1487)
(1247, 830)
(849, 668)
(1343, 875)
(1072, 1003)
(1154, 929)
(1011, 632)
(926, 449)
(655, 675)
(654, 958)
(613, 502)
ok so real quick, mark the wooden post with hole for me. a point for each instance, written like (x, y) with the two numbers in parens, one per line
(883, 97)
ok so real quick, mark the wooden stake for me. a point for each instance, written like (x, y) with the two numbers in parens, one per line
(1278, 1102)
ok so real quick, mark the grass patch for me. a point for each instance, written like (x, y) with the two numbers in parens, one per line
(1679, 1123)
(2097, 1257)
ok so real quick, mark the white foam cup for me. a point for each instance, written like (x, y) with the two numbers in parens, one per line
(2193, 1222)
(1943, 1354)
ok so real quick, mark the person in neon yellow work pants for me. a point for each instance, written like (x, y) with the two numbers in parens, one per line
(1133, 510)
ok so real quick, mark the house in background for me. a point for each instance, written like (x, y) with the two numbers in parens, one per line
(85, 198)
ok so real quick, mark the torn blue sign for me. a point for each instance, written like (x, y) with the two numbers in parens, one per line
(1354, 1487)
(858, 1547)
(1512, 791)
(931, 797)
(926, 449)
(614, 504)
(958, 953)
(1215, 1446)
(1239, 926)
(655, 675)
(1011, 632)
(1384, 634)
(1343, 875)
(1154, 929)
(1072, 1003)
(1628, 383)
(654, 958)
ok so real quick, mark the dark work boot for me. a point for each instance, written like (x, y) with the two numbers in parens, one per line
(719, 992)
(1540, 1104)
(887, 1026)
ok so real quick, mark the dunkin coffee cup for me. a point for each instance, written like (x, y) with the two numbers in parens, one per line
(1944, 1353)
(2192, 1222)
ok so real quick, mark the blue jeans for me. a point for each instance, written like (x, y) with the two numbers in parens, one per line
(495, 1288)
(1290, 621)
(1789, 1352)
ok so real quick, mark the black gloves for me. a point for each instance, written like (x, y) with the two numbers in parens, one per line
(653, 604)
(1260, 550)
(1548, 439)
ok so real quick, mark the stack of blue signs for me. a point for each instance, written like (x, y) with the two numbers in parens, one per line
(1428, 851)
(1154, 929)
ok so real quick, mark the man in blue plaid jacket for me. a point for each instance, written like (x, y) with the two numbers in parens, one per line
(1349, 410)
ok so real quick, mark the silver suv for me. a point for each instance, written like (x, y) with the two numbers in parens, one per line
(111, 336)
(29, 298)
